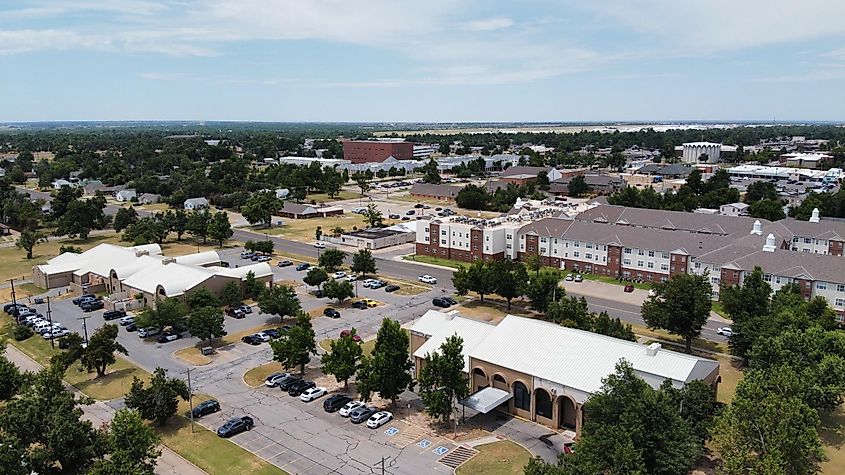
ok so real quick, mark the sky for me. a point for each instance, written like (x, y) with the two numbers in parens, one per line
(422, 61)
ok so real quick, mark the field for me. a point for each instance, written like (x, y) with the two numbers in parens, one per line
(304, 229)
(499, 458)
(490, 311)
(342, 196)
(436, 261)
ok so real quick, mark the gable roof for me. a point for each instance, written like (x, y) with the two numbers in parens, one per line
(430, 189)
(518, 171)
(297, 208)
(675, 220)
(439, 326)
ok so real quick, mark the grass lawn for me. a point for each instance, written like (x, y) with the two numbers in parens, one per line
(407, 287)
(436, 260)
(611, 280)
(323, 198)
(832, 434)
(192, 354)
(13, 261)
(173, 247)
(716, 306)
(731, 373)
(490, 311)
(367, 346)
(256, 376)
(304, 229)
(499, 458)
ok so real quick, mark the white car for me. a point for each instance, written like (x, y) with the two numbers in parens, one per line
(339, 275)
(320, 245)
(368, 282)
(312, 394)
(126, 321)
(349, 407)
(351, 278)
(55, 334)
(725, 331)
(379, 419)
(427, 279)
(263, 337)
(274, 379)
(652, 293)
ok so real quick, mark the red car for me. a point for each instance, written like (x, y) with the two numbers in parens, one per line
(629, 288)
(355, 338)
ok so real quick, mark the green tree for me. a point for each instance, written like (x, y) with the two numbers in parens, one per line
(363, 263)
(178, 222)
(206, 323)
(102, 346)
(11, 378)
(295, 347)
(252, 286)
(279, 300)
(342, 359)
(697, 405)
(760, 190)
(767, 209)
(318, 233)
(159, 401)
(28, 239)
(430, 172)
(331, 259)
(132, 444)
(219, 229)
(748, 307)
(167, 313)
(362, 180)
(315, 276)
(472, 197)
(387, 371)
(543, 289)
(200, 298)
(442, 380)
(578, 186)
(373, 217)
(533, 263)
(231, 295)
(681, 306)
(198, 223)
(260, 207)
(338, 289)
(145, 231)
(510, 278)
(124, 217)
(81, 217)
(543, 180)
(604, 325)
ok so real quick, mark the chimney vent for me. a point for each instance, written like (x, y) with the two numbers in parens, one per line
(757, 229)
(770, 243)
(815, 217)
(652, 349)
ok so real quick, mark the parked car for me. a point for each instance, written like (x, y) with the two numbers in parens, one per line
(569, 278)
(351, 278)
(410, 212)
(131, 327)
(235, 426)
(273, 380)
(285, 328)
(286, 383)
(168, 337)
(393, 216)
(91, 305)
(55, 333)
(441, 302)
(378, 284)
(427, 279)
(263, 337)
(449, 299)
(311, 394)
(356, 338)
(272, 333)
(83, 298)
(235, 312)
(391, 288)
(368, 282)
(361, 414)
(247, 254)
(204, 408)
(331, 313)
(379, 419)
(303, 266)
(300, 387)
(148, 332)
(335, 402)
(126, 321)
(245, 309)
(370, 303)
(320, 245)
(338, 275)
(16, 307)
(418, 205)
(579, 278)
(350, 406)
(264, 259)
(725, 331)
(113, 314)
(629, 288)
(359, 305)
(251, 339)
(285, 263)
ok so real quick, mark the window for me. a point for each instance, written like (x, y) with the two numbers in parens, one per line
(840, 303)
(698, 265)
(821, 285)
(639, 263)
(627, 250)
(588, 255)
(767, 277)
(542, 250)
(627, 262)
(664, 267)
(509, 236)
(589, 245)
(777, 280)
(650, 253)
(640, 252)
(576, 254)
(544, 404)
(808, 241)
(443, 233)
(715, 280)
(666, 255)
(840, 287)
(543, 240)
(650, 265)
(577, 244)
(509, 246)
(487, 238)
(426, 239)
(443, 242)
(521, 397)
(795, 239)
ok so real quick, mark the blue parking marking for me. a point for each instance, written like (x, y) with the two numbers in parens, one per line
(440, 450)
(424, 443)
(392, 431)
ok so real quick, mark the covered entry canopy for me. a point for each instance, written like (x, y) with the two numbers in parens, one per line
(486, 399)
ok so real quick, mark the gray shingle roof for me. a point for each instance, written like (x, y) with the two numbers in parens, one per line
(672, 220)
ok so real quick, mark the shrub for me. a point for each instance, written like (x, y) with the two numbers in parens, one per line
(21, 333)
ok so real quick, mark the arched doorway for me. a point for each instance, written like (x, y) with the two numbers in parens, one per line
(543, 403)
(568, 413)
(521, 397)
(479, 379)
(499, 382)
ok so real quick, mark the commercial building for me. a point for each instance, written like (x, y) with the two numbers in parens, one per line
(196, 203)
(806, 160)
(429, 191)
(734, 209)
(304, 211)
(701, 152)
(364, 151)
(375, 238)
(544, 372)
(599, 184)
(523, 175)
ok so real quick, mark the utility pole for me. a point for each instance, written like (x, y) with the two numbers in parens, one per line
(15, 302)
(191, 400)
(85, 327)
(50, 319)
(382, 466)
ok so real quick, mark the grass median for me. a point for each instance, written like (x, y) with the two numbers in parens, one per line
(193, 355)
(498, 458)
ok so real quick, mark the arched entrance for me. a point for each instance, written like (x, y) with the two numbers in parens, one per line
(568, 413)
(543, 403)
(521, 396)
(479, 379)
(499, 382)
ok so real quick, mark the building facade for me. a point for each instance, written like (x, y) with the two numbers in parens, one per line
(694, 152)
(363, 151)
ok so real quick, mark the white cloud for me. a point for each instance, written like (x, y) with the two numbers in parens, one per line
(489, 24)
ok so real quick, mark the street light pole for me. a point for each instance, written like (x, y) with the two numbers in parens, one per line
(191, 400)
(50, 319)
(15, 302)
(85, 327)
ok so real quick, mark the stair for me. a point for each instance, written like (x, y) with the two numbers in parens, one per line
(457, 456)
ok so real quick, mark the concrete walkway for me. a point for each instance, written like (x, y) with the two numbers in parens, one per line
(99, 413)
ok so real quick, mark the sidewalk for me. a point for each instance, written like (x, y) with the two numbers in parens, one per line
(99, 413)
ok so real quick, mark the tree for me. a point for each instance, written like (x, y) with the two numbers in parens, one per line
(472, 197)
(362, 180)
(543, 289)
(260, 207)
(767, 209)
(178, 221)
(231, 295)
(338, 289)
(102, 345)
(442, 379)
(198, 222)
(363, 263)
(697, 405)
(206, 323)
(748, 307)
(200, 298)
(81, 217)
(510, 278)
(167, 313)
(430, 172)
(252, 286)
(318, 233)
(159, 401)
(11, 379)
(681, 306)
(342, 359)
(533, 263)
(315, 276)
(577, 186)
(387, 370)
(64, 197)
(543, 180)
(295, 347)
(760, 190)
(132, 444)
(373, 217)
(124, 217)
(28, 239)
(331, 259)
(146, 230)
(279, 300)
(219, 229)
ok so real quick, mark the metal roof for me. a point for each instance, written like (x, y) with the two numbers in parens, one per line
(486, 399)
(439, 326)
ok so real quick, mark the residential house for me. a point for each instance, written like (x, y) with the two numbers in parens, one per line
(196, 203)
(125, 196)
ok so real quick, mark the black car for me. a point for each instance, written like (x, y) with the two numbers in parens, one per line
(113, 314)
(285, 263)
(360, 305)
(300, 387)
(235, 426)
(391, 288)
(273, 333)
(303, 266)
(318, 293)
(334, 403)
(204, 408)
(418, 205)
(91, 305)
(394, 216)
(83, 298)
(286, 383)
(251, 339)
(450, 300)
(131, 327)
(331, 313)
(441, 302)
(168, 337)
(410, 212)
(13, 308)
(361, 414)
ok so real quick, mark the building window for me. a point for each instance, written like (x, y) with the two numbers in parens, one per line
(589, 245)
(840, 287)
(588, 255)
(544, 404)
(808, 241)
(640, 252)
(840, 303)
(627, 262)
(543, 240)
(650, 265)
(821, 285)
(666, 255)
(509, 246)
(698, 265)
(639, 263)
(627, 250)
(650, 253)
(577, 244)
(576, 254)
(521, 396)
(443, 233)
(443, 241)
(542, 250)
(487, 238)
(777, 280)
(509, 236)
(426, 239)
(715, 280)
(664, 267)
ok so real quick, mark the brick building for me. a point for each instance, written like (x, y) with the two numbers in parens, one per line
(367, 151)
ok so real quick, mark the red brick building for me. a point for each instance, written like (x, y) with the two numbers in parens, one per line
(365, 151)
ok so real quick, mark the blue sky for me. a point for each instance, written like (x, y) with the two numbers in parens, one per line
(431, 60)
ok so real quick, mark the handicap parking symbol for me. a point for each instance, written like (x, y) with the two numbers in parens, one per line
(392, 431)
(440, 450)
(424, 443)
